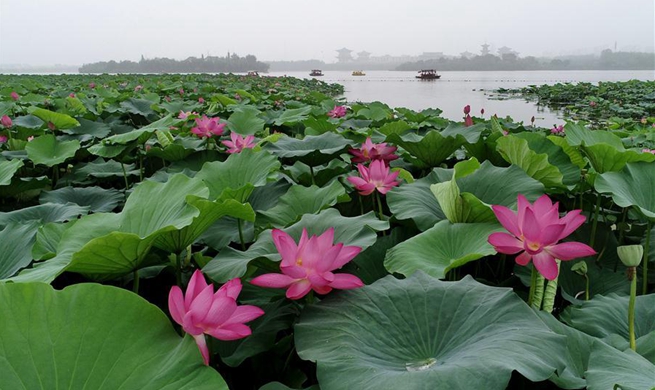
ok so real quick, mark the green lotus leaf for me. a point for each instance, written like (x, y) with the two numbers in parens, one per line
(632, 186)
(28, 122)
(177, 240)
(61, 121)
(358, 231)
(107, 151)
(47, 150)
(301, 200)
(421, 333)
(97, 199)
(311, 150)
(578, 348)
(7, 170)
(138, 106)
(89, 336)
(397, 127)
(94, 129)
(444, 247)
(318, 126)
(536, 164)
(44, 213)
(172, 152)
(16, 241)
(280, 386)
(431, 149)
(294, 115)
(574, 154)
(471, 134)
(47, 239)
(606, 317)
(237, 176)
(244, 120)
(375, 111)
(101, 169)
(141, 134)
(610, 368)
(279, 316)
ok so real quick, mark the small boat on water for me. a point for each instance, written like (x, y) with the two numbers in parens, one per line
(253, 73)
(428, 74)
(359, 73)
(316, 73)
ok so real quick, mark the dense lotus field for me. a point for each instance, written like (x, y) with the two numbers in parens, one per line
(214, 232)
(614, 105)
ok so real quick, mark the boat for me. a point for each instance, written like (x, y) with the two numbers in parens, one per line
(316, 72)
(253, 73)
(428, 74)
(359, 73)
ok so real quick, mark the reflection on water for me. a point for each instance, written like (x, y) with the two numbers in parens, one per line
(457, 89)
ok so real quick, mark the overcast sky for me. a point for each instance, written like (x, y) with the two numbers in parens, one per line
(41, 32)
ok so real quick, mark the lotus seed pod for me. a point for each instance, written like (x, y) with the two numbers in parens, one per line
(630, 255)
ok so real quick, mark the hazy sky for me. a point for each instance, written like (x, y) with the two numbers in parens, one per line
(40, 32)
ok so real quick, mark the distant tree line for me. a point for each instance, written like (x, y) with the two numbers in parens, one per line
(607, 60)
(209, 64)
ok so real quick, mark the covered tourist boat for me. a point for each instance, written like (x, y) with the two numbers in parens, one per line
(428, 74)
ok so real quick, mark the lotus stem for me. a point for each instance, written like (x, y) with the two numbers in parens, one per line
(539, 291)
(140, 167)
(311, 173)
(127, 185)
(380, 213)
(632, 275)
(135, 282)
(550, 293)
(586, 290)
(361, 205)
(533, 285)
(644, 275)
(243, 243)
(594, 225)
(178, 269)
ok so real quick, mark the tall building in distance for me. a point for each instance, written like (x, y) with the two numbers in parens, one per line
(485, 50)
(363, 56)
(344, 55)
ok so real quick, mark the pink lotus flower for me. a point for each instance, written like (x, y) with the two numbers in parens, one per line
(535, 231)
(376, 177)
(557, 130)
(138, 88)
(644, 121)
(202, 311)
(337, 112)
(239, 143)
(237, 96)
(467, 109)
(370, 152)
(184, 115)
(167, 98)
(92, 85)
(6, 121)
(201, 100)
(72, 95)
(30, 138)
(51, 126)
(3, 139)
(181, 91)
(14, 95)
(592, 104)
(482, 111)
(646, 150)
(468, 121)
(206, 127)
(309, 265)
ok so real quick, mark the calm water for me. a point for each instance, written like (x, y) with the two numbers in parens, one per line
(456, 89)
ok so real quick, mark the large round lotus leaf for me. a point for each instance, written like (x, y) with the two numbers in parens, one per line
(61, 121)
(16, 241)
(444, 247)
(101, 169)
(632, 186)
(49, 212)
(311, 150)
(611, 369)
(93, 337)
(293, 115)
(47, 150)
(606, 317)
(97, 199)
(237, 176)
(244, 120)
(7, 170)
(431, 149)
(422, 333)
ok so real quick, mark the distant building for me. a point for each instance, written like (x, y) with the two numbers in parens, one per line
(485, 50)
(467, 54)
(363, 56)
(431, 55)
(506, 50)
(344, 55)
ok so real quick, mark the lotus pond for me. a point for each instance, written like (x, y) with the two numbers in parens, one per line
(215, 232)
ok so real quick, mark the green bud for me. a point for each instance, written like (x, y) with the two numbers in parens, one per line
(580, 268)
(630, 255)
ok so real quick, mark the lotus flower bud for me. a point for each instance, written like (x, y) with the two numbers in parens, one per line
(630, 255)
(6, 121)
(580, 268)
(467, 109)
